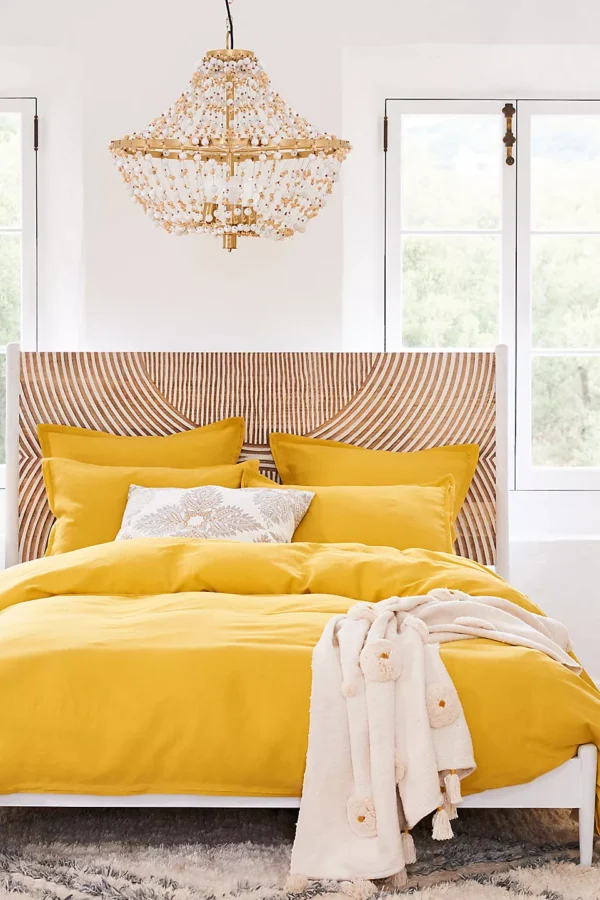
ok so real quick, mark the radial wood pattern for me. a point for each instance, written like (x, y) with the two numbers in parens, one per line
(393, 401)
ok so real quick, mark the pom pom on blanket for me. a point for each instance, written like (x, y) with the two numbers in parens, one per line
(443, 705)
(359, 890)
(418, 624)
(408, 847)
(379, 661)
(362, 610)
(295, 884)
(442, 829)
(361, 816)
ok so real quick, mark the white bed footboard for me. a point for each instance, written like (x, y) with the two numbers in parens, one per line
(570, 786)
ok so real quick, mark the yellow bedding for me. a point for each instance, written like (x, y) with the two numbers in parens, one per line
(179, 666)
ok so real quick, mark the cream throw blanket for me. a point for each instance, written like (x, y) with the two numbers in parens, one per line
(388, 738)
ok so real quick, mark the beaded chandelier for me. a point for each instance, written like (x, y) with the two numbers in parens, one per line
(230, 157)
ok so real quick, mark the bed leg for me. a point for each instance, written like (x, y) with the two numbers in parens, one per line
(588, 757)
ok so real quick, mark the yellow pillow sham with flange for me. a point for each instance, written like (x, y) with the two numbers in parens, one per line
(400, 516)
(88, 501)
(218, 444)
(303, 460)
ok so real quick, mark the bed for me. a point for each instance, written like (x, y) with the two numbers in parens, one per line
(398, 401)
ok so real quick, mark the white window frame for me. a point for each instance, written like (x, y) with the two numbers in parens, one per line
(27, 108)
(515, 318)
(394, 231)
(528, 476)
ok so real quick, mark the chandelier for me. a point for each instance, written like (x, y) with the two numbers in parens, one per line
(230, 157)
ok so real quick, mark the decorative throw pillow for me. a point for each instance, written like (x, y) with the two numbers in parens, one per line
(249, 515)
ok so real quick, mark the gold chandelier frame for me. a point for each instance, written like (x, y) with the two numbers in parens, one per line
(230, 150)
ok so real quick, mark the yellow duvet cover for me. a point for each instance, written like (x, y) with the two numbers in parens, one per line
(182, 666)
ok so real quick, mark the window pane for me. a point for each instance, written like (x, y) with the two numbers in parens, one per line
(10, 287)
(2, 409)
(10, 170)
(566, 291)
(450, 290)
(566, 411)
(451, 171)
(565, 173)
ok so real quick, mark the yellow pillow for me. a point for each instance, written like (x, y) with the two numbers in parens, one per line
(218, 444)
(302, 460)
(89, 501)
(401, 516)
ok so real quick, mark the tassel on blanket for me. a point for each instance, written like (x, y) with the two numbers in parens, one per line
(450, 808)
(408, 847)
(442, 829)
(399, 879)
(452, 784)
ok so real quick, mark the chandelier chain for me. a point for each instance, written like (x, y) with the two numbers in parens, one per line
(230, 25)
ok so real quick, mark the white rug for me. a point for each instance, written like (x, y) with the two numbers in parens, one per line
(244, 855)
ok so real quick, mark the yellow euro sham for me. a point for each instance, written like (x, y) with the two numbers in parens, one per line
(179, 666)
(218, 444)
(302, 460)
(88, 501)
(400, 516)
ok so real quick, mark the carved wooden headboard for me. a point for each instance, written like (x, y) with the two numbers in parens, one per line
(386, 401)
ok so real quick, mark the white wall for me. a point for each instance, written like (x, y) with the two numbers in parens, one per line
(109, 280)
(114, 66)
(55, 78)
(561, 576)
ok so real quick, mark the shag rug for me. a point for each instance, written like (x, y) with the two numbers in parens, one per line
(69, 854)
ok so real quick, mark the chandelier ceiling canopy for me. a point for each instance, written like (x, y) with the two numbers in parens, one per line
(230, 157)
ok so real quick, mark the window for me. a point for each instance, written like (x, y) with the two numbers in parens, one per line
(479, 252)
(449, 202)
(558, 336)
(17, 234)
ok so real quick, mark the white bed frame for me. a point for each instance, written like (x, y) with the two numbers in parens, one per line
(570, 786)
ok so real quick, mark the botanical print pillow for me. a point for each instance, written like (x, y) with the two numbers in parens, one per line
(250, 515)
